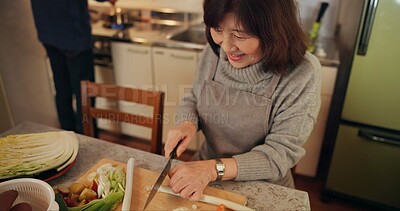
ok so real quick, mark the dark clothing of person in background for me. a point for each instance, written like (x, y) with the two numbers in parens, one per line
(69, 68)
(63, 27)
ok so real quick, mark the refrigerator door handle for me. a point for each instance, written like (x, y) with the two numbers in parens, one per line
(367, 27)
(379, 138)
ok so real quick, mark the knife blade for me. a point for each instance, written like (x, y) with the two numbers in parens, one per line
(162, 176)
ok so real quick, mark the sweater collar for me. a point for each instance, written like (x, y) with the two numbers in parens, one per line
(251, 74)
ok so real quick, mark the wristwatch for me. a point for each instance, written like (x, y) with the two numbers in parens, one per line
(220, 167)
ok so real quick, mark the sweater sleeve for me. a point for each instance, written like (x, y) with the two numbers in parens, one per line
(188, 105)
(295, 110)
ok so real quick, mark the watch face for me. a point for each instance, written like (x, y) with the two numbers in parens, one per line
(220, 168)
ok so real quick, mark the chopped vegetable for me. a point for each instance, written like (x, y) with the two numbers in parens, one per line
(105, 204)
(64, 191)
(105, 192)
(221, 207)
(61, 203)
(109, 179)
(76, 188)
(181, 209)
(30, 154)
(87, 194)
(148, 188)
(211, 200)
(70, 202)
(94, 186)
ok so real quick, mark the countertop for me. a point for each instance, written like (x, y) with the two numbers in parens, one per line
(145, 34)
(261, 195)
(332, 52)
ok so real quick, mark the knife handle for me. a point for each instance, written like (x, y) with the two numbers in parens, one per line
(173, 153)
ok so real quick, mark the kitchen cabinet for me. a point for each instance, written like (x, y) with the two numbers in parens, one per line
(308, 165)
(174, 71)
(133, 68)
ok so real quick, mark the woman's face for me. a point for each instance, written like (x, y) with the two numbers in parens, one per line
(241, 48)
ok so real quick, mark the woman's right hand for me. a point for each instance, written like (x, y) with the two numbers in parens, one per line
(184, 131)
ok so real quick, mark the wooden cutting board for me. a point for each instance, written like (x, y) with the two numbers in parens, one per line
(162, 201)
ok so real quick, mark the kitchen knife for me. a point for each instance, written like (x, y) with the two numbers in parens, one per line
(162, 176)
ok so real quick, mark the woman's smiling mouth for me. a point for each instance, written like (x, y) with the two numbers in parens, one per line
(235, 57)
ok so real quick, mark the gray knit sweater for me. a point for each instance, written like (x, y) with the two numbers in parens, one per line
(296, 102)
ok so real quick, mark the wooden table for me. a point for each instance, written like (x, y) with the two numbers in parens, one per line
(261, 195)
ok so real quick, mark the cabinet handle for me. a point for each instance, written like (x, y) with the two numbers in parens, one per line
(182, 57)
(138, 51)
(379, 138)
(159, 52)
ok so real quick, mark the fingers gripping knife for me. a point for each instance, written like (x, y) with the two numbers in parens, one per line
(162, 176)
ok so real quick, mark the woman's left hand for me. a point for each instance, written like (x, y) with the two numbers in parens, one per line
(191, 178)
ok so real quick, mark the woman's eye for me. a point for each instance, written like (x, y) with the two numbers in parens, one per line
(217, 29)
(239, 37)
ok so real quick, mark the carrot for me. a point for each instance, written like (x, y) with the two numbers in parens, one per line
(221, 207)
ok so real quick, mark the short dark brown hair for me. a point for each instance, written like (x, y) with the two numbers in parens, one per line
(274, 22)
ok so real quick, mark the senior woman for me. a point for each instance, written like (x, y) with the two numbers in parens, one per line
(255, 73)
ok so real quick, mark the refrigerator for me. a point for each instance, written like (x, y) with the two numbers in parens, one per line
(365, 160)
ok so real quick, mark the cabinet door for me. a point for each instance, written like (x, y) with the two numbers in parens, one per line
(133, 68)
(174, 72)
(132, 65)
(364, 167)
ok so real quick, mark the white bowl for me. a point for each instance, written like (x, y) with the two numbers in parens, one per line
(37, 193)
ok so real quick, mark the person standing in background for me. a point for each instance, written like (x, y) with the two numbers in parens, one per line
(64, 29)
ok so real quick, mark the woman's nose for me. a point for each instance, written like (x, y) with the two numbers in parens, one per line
(227, 45)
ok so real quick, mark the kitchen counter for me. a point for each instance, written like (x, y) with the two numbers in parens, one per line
(261, 195)
(145, 34)
(332, 52)
(157, 37)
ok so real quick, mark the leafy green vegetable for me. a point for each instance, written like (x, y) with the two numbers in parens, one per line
(30, 154)
(61, 203)
(106, 204)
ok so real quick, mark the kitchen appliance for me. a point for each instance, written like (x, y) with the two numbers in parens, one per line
(364, 125)
(117, 19)
(102, 50)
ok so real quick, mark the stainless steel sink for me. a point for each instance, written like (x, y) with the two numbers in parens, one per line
(194, 35)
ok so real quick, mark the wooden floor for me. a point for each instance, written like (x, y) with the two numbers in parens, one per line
(313, 186)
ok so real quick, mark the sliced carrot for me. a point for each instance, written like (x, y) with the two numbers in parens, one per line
(221, 207)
